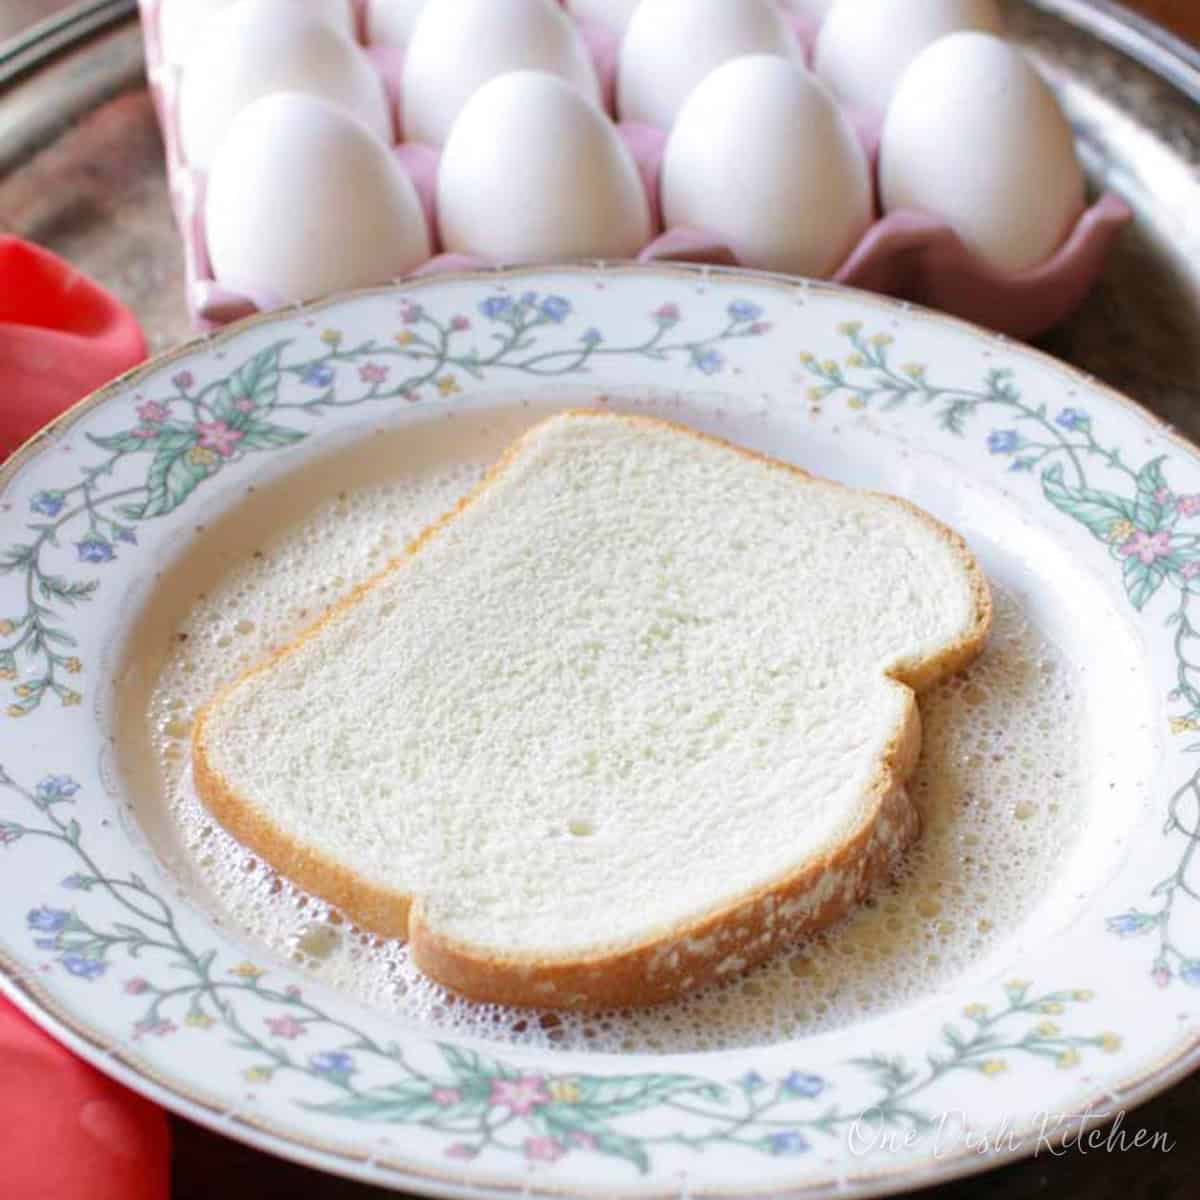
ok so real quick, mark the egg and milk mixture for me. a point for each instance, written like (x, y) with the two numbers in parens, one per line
(1000, 788)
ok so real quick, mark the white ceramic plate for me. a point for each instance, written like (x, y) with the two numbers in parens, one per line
(1077, 501)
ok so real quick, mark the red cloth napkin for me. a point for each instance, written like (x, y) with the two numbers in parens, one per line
(66, 1131)
(69, 1133)
(61, 337)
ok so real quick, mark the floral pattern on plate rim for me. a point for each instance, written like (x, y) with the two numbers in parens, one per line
(192, 432)
(478, 1101)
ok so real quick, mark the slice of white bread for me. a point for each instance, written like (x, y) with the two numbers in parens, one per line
(634, 714)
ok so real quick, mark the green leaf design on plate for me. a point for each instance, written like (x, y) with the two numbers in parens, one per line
(1148, 512)
(253, 387)
(125, 442)
(617, 1145)
(70, 592)
(469, 1066)
(1100, 512)
(616, 1095)
(269, 437)
(174, 475)
(1142, 580)
(402, 1104)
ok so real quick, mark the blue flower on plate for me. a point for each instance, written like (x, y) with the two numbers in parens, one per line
(1130, 924)
(788, 1141)
(332, 1062)
(47, 920)
(751, 1081)
(1073, 418)
(56, 787)
(78, 883)
(555, 308)
(49, 504)
(318, 375)
(1004, 441)
(744, 310)
(1190, 973)
(47, 943)
(800, 1083)
(84, 968)
(592, 337)
(94, 549)
(495, 308)
(709, 361)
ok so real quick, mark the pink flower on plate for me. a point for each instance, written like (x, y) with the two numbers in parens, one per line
(1191, 570)
(135, 987)
(1189, 506)
(219, 437)
(155, 1028)
(1149, 547)
(1162, 496)
(445, 1097)
(460, 323)
(373, 373)
(152, 412)
(145, 433)
(183, 380)
(522, 1095)
(461, 1150)
(292, 992)
(1162, 976)
(286, 1027)
(544, 1149)
(582, 1139)
(667, 314)
(244, 405)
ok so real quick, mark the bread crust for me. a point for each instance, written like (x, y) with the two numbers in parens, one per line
(723, 941)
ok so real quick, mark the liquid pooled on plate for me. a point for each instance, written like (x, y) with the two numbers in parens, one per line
(1000, 788)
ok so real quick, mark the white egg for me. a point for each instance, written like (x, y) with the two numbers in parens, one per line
(533, 172)
(975, 136)
(671, 45)
(614, 14)
(458, 45)
(865, 45)
(391, 22)
(302, 200)
(183, 23)
(257, 47)
(814, 10)
(762, 157)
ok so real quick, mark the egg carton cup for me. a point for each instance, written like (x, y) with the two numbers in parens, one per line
(907, 254)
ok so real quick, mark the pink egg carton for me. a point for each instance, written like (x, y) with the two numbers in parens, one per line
(908, 254)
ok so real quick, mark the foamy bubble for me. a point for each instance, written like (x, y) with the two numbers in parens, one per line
(1000, 788)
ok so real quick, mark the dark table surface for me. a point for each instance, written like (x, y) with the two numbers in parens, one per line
(207, 1165)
